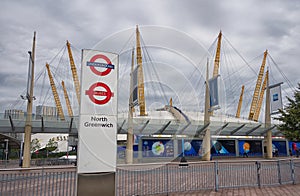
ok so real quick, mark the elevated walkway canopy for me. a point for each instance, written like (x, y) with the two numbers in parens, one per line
(157, 122)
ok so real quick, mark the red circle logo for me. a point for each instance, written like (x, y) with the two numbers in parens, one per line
(92, 92)
(94, 70)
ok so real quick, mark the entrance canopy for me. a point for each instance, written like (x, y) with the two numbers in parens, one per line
(155, 123)
(162, 123)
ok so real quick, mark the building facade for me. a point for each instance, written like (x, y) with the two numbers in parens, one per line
(47, 112)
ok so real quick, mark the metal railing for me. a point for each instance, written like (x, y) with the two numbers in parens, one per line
(15, 163)
(157, 178)
(39, 181)
(151, 179)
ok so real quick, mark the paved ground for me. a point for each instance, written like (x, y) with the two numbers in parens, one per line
(290, 190)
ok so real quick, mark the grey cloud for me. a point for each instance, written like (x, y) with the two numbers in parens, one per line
(251, 26)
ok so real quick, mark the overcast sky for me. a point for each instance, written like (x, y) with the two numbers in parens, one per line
(251, 26)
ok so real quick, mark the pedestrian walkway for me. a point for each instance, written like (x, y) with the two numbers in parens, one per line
(290, 190)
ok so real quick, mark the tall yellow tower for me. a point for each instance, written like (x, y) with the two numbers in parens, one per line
(141, 93)
(74, 72)
(217, 57)
(217, 61)
(238, 112)
(55, 94)
(257, 87)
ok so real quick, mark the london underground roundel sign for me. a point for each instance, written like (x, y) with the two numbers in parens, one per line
(95, 94)
(93, 68)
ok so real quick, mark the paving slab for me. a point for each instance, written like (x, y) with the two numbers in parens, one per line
(290, 190)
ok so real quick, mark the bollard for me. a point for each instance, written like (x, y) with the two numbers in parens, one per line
(216, 176)
(292, 166)
(183, 162)
(258, 165)
(279, 172)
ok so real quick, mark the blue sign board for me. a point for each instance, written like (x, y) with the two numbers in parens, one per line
(214, 93)
(279, 148)
(294, 147)
(158, 148)
(121, 151)
(250, 147)
(223, 148)
(135, 87)
(190, 147)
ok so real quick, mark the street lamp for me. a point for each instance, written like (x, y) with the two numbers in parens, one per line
(29, 96)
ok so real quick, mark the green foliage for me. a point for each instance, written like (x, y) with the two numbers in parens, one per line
(43, 154)
(51, 145)
(35, 145)
(290, 118)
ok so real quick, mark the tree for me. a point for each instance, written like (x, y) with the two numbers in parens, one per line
(290, 118)
(35, 145)
(51, 145)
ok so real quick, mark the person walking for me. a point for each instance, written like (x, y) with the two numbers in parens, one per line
(295, 148)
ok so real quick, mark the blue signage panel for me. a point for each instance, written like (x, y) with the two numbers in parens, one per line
(214, 93)
(223, 148)
(250, 147)
(190, 147)
(158, 148)
(279, 148)
(97, 64)
(135, 87)
(294, 147)
(121, 151)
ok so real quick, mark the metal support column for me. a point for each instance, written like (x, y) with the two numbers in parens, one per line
(206, 139)
(268, 123)
(28, 125)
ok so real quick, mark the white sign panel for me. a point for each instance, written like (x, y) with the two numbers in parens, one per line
(99, 86)
(98, 112)
(276, 99)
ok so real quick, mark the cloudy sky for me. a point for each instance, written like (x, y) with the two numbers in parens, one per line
(251, 26)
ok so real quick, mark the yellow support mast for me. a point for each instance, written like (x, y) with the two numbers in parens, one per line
(217, 57)
(74, 72)
(238, 112)
(141, 93)
(261, 97)
(55, 94)
(70, 111)
(257, 87)
(217, 61)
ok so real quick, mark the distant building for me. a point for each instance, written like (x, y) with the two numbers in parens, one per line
(14, 113)
(47, 112)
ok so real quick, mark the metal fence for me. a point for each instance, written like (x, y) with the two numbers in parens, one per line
(37, 162)
(157, 178)
(151, 179)
(39, 181)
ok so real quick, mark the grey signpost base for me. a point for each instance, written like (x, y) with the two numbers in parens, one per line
(96, 184)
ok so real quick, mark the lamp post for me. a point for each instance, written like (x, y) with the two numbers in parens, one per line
(28, 124)
(206, 140)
